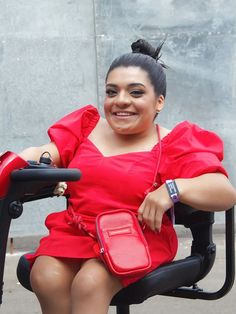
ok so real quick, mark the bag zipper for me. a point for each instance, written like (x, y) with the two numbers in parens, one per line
(101, 248)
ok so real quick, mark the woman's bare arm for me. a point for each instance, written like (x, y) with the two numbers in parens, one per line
(34, 153)
(210, 192)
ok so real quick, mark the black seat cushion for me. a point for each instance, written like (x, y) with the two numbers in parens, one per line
(179, 273)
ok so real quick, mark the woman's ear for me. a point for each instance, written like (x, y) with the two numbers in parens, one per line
(160, 103)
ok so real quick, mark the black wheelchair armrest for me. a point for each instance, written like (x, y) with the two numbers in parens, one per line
(33, 183)
(200, 224)
(165, 278)
(36, 181)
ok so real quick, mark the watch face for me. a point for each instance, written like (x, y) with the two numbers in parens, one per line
(172, 190)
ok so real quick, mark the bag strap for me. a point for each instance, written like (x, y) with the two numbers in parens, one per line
(77, 220)
(154, 183)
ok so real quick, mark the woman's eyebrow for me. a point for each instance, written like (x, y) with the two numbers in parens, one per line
(129, 85)
(136, 84)
(111, 85)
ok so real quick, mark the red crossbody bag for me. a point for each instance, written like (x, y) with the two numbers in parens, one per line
(123, 246)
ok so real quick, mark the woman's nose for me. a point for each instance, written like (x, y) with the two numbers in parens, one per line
(122, 99)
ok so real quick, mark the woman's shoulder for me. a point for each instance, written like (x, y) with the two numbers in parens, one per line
(190, 150)
(81, 120)
(86, 112)
(185, 129)
(164, 132)
(178, 128)
(168, 135)
(187, 136)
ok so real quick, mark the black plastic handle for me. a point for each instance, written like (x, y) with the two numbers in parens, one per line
(46, 174)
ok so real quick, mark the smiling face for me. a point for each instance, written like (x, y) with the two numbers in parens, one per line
(131, 103)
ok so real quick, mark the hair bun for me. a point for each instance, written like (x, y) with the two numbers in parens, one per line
(142, 46)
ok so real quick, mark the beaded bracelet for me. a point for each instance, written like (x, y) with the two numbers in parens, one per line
(172, 190)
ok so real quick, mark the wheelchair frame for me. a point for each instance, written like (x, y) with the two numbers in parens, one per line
(38, 181)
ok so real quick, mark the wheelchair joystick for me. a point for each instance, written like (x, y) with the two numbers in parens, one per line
(45, 159)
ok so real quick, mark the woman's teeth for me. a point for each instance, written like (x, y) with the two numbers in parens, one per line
(123, 114)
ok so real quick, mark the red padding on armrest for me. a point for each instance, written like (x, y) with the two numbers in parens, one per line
(8, 162)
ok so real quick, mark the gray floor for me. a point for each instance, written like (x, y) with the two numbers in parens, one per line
(17, 300)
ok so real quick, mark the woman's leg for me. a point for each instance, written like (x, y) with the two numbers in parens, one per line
(51, 280)
(93, 288)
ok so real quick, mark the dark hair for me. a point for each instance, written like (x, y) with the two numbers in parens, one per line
(146, 57)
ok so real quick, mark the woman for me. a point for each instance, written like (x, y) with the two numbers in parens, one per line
(127, 161)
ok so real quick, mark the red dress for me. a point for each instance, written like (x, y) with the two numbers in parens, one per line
(120, 181)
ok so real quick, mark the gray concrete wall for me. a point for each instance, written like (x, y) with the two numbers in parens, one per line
(54, 55)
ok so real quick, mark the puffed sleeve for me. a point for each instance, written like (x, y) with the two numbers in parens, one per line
(189, 151)
(68, 132)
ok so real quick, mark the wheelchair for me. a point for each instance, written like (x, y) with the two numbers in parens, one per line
(23, 182)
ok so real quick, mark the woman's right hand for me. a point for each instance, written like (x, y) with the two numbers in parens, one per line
(60, 189)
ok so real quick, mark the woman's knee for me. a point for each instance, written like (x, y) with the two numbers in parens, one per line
(85, 284)
(93, 279)
(49, 275)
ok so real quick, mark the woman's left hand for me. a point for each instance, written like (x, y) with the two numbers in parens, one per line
(152, 209)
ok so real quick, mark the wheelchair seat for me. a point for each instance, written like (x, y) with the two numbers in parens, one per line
(159, 281)
(176, 278)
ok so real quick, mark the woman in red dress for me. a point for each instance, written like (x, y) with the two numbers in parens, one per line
(127, 161)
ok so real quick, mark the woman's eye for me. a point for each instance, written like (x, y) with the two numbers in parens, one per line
(110, 92)
(137, 93)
